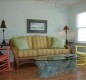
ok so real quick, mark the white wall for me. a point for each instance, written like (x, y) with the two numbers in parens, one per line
(16, 12)
(73, 11)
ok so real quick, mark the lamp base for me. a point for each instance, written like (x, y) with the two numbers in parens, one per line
(3, 42)
(66, 42)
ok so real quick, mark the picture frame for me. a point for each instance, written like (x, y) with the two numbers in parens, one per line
(36, 26)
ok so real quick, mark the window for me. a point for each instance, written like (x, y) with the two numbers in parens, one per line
(81, 24)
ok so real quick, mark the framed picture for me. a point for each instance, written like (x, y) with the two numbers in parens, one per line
(36, 26)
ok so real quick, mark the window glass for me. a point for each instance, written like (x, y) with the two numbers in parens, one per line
(82, 34)
(81, 24)
(81, 20)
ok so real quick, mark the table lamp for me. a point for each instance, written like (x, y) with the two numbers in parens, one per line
(3, 26)
(66, 28)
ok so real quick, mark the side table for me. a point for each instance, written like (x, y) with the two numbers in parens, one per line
(7, 44)
(2, 45)
(5, 60)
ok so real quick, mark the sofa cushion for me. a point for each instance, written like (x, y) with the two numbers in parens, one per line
(41, 52)
(47, 52)
(27, 53)
(39, 42)
(58, 43)
(21, 43)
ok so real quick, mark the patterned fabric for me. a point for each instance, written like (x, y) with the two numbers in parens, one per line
(45, 52)
(62, 51)
(27, 53)
(29, 40)
(39, 46)
(42, 52)
(39, 42)
(49, 42)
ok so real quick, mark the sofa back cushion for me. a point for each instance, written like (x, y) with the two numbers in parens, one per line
(29, 41)
(39, 42)
(49, 41)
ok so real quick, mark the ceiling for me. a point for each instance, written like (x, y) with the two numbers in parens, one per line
(62, 2)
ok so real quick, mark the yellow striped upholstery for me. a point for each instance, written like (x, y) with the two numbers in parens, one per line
(61, 51)
(42, 52)
(45, 52)
(39, 42)
(27, 53)
(29, 40)
(49, 42)
(40, 46)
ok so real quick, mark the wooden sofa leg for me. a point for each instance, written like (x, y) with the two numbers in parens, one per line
(16, 64)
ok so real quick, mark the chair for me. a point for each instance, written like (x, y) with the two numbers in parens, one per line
(81, 55)
(4, 60)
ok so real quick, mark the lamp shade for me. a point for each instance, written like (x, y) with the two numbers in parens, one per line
(66, 28)
(3, 24)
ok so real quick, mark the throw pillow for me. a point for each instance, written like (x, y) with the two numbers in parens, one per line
(58, 43)
(21, 43)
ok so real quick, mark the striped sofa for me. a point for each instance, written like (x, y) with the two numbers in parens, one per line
(39, 46)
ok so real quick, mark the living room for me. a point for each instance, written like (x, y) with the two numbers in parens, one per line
(16, 12)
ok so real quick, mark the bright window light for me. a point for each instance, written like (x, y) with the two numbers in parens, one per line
(82, 34)
(81, 24)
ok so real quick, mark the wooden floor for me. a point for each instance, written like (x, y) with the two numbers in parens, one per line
(30, 72)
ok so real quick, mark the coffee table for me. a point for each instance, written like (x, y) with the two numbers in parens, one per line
(52, 65)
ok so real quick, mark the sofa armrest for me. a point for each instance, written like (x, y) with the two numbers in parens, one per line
(14, 51)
